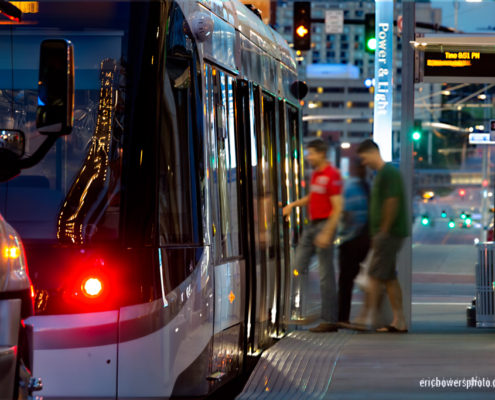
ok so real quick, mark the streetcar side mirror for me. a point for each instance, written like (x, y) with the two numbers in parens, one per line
(12, 140)
(55, 112)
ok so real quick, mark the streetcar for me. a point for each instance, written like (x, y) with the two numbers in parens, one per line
(153, 233)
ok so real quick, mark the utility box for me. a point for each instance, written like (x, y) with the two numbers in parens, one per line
(485, 286)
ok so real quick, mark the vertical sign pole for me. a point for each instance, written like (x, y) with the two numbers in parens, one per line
(406, 148)
(485, 165)
(382, 116)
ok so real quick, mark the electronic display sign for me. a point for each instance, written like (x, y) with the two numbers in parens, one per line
(459, 66)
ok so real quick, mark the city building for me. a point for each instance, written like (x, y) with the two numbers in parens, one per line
(340, 73)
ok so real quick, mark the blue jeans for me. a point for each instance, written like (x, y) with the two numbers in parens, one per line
(304, 252)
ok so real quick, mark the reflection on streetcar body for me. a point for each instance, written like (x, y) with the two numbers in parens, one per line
(165, 196)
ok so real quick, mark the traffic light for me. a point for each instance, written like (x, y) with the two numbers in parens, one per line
(468, 221)
(369, 33)
(302, 25)
(417, 132)
(444, 214)
(463, 215)
(451, 224)
(425, 220)
(462, 192)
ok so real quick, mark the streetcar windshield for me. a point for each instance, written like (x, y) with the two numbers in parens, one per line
(72, 195)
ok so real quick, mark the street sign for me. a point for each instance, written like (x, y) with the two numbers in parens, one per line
(492, 125)
(334, 21)
(482, 138)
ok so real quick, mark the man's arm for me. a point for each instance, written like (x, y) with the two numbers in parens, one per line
(298, 203)
(389, 212)
(325, 237)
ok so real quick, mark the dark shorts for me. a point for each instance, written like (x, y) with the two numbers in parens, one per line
(383, 261)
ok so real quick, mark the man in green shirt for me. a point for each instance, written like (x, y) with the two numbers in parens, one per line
(388, 228)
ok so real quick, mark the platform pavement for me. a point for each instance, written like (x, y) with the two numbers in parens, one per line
(354, 366)
(349, 365)
(439, 345)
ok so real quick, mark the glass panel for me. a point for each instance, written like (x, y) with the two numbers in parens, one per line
(73, 194)
(227, 171)
(453, 191)
(181, 144)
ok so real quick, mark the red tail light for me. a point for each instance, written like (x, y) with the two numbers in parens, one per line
(92, 287)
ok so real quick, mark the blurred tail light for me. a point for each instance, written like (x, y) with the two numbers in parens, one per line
(92, 287)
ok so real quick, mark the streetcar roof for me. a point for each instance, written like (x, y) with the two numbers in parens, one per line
(253, 28)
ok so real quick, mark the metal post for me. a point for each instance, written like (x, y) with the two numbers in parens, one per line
(484, 193)
(456, 13)
(406, 147)
(430, 147)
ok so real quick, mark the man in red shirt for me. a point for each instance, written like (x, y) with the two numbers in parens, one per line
(325, 206)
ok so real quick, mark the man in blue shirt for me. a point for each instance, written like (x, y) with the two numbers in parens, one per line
(354, 235)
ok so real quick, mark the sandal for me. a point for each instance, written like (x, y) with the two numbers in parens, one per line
(391, 329)
(355, 326)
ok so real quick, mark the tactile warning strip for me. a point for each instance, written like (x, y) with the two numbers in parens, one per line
(299, 366)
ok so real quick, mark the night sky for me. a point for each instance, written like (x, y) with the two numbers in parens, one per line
(473, 17)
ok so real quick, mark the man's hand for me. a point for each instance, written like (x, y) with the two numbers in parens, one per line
(287, 210)
(323, 239)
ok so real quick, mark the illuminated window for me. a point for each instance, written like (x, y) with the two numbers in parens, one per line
(314, 104)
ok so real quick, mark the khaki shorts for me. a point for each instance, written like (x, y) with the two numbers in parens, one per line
(383, 261)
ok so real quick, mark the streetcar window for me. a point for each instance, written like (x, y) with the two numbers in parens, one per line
(268, 166)
(223, 162)
(227, 170)
(296, 170)
(33, 201)
(181, 143)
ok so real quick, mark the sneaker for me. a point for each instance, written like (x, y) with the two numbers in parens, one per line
(324, 327)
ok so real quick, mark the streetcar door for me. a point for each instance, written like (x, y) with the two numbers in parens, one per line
(265, 219)
(295, 189)
(227, 250)
(246, 128)
(285, 196)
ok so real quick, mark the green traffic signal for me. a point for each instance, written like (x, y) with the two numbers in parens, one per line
(444, 214)
(451, 224)
(463, 215)
(371, 44)
(369, 33)
(468, 221)
(417, 130)
(425, 220)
